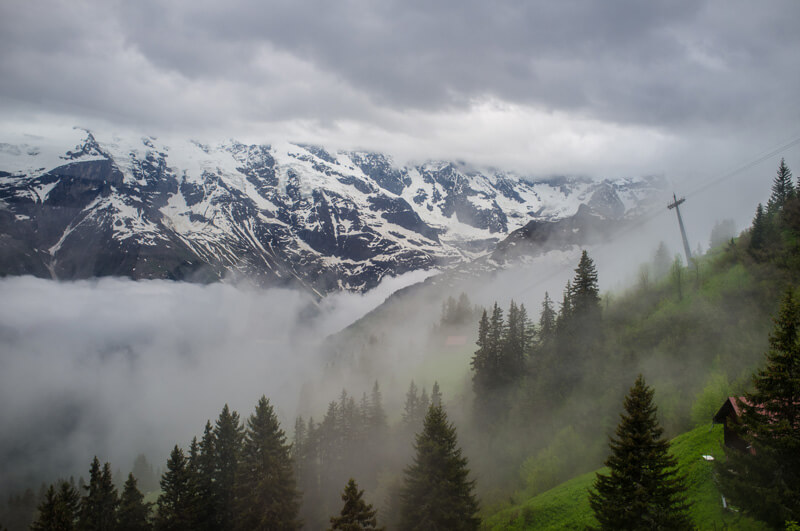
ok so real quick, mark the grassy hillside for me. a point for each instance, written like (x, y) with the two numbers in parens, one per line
(566, 506)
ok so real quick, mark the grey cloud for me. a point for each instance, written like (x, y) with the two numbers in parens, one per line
(657, 63)
(621, 61)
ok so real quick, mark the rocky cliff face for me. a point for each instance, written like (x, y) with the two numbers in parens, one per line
(287, 214)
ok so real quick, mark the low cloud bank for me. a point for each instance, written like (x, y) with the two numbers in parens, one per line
(114, 367)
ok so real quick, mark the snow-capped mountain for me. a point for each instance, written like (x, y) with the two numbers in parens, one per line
(282, 214)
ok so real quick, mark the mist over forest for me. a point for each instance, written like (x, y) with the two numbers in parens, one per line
(128, 372)
(117, 368)
(263, 258)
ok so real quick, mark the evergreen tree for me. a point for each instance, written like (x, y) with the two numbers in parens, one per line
(585, 294)
(50, 515)
(436, 395)
(411, 406)
(377, 415)
(643, 489)
(203, 470)
(782, 188)
(133, 513)
(449, 315)
(766, 481)
(356, 515)
(176, 502)
(758, 231)
(307, 472)
(662, 261)
(564, 317)
(228, 433)
(331, 442)
(422, 406)
(547, 320)
(480, 359)
(69, 499)
(527, 333)
(515, 344)
(143, 472)
(510, 362)
(363, 415)
(99, 505)
(722, 233)
(267, 498)
(21, 509)
(437, 493)
(463, 308)
(59, 510)
(495, 344)
(195, 481)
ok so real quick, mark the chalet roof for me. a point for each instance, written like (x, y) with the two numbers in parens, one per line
(730, 407)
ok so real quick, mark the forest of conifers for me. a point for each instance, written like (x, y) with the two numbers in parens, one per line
(545, 390)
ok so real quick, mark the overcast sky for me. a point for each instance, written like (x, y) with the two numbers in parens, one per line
(567, 87)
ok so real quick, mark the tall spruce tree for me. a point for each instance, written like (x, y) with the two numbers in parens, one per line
(356, 515)
(437, 492)
(512, 351)
(99, 505)
(766, 481)
(585, 296)
(51, 514)
(176, 502)
(782, 188)
(59, 509)
(547, 320)
(228, 434)
(411, 407)
(267, 498)
(495, 339)
(662, 260)
(643, 489)
(203, 470)
(564, 317)
(377, 415)
(133, 513)
(308, 471)
(758, 231)
(436, 395)
(146, 478)
(480, 359)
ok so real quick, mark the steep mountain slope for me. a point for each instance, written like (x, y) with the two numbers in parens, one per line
(84, 206)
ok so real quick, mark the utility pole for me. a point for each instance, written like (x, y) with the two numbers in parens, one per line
(674, 205)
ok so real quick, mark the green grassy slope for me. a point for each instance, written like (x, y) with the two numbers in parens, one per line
(567, 505)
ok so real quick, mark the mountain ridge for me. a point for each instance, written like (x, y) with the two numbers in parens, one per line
(280, 214)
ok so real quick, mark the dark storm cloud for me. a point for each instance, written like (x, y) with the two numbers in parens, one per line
(653, 63)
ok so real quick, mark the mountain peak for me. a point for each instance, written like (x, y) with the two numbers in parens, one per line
(283, 214)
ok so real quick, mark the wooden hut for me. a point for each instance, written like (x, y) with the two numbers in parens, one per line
(729, 415)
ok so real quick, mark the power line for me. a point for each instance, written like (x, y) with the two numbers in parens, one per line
(783, 147)
(646, 218)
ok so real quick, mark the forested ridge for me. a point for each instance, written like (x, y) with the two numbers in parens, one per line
(544, 392)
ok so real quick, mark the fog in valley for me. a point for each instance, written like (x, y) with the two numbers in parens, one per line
(115, 368)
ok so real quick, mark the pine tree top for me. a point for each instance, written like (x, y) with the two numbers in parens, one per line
(356, 514)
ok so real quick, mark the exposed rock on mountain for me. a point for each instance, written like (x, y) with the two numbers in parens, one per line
(287, 214)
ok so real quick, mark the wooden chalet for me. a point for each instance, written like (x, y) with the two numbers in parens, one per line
(728, 415)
